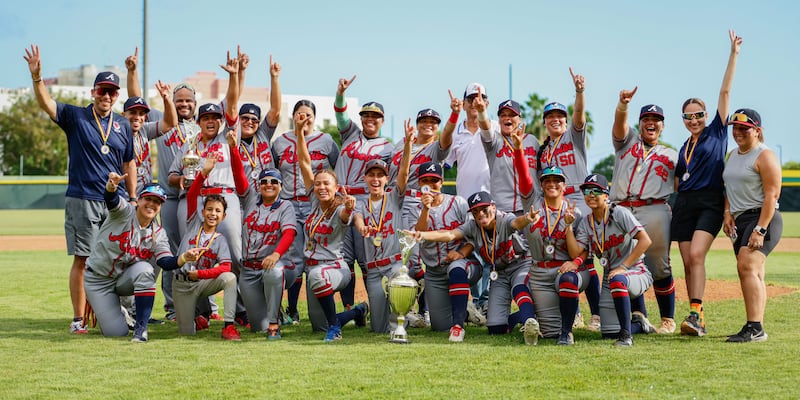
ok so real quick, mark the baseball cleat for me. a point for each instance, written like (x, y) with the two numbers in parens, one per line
(748, 334)
(334, 333)
(474, 316)
(565, 339)
(667, 326)
(200, 323)
(578, 323)
(624, 339)
(216, 317)
(139, 334)
(692, 326)
(230, 333)
(594, 324)
(639, 317)
(77, 328)
(273, 332)
(363, 311)
(530, 331)
(457, 334)
(170, 316)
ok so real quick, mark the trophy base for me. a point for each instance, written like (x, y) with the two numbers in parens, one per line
(399, 335)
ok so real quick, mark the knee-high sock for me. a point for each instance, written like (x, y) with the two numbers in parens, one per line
(346, 316)
(593, 292)
(568, 293)
(459, 295)
(144, 306)
(329, 308)
(513, 319)
(638, 304)
(665, 296)
(524, 300)
(348, 294)
(622, 303)
(293, 293)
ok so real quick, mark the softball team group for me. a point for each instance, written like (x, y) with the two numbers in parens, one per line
(255, 212)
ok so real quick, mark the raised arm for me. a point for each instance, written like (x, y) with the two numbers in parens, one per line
(446, 138)
(274, 113)
(484, 122)
(620, 127)
(132, 78)
(46, 103)
(520, 163)
(578, 111)
(405, 161)
(244, 62)
(170, 119)
(727, 80)
(303, 156)
(339, 105)
(232, 96)
(531, 217)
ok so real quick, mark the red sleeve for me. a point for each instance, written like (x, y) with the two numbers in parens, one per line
(239, 178)
(194, 193)
(214, 272)
(525, 180)
(287, 237)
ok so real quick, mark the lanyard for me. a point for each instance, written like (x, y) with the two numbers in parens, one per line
(486, 244)
(251, 158)
(551, 227)
(600, 243)
(316, 225)
(207, 244)
(375, 221)
(181, 134)
(138, 150)
(105, 135)
(551, 150)
(687, 155)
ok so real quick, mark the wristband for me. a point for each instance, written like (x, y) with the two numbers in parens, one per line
(483, 116)
(348, 211)
(453, 118)
(622, 107)
(578, 90)
(340, 109)
(578, 260)
(36, 80)
(181, 257)
(133, 199)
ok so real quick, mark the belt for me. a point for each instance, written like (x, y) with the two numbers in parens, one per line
(88, 268)
(354, 190)
(641, 203)
(299, 198)
(750, 211)
(253, 264)
(384, 261)
(182, 196)
(215, 190)
(550, 264)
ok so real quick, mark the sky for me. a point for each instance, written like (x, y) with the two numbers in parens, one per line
(407, 54)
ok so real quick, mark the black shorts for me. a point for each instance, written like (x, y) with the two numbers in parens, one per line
(747, 221)
(699, 210)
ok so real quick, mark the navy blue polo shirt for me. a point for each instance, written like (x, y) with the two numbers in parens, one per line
(707, 161)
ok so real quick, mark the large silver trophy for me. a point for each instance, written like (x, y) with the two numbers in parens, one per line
(402, 291)
(191, 161)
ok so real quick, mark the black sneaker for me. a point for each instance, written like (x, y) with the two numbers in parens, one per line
(363, 310)
(748, 334)
(565, 339)
(624, 339)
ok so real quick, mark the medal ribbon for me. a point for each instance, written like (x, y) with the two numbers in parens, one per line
(207, 244)
(551, 227)
(600, 244)
(181, 136)
(138, 150)
(378, 223)
(251, 158)
(552, 150)
(316, 225)
(687, 155)
(100, 126)
(486, 244)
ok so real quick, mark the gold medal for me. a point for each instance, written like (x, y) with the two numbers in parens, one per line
(377, 241)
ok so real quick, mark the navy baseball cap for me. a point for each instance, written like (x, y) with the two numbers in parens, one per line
(209, 108)
(430, 169)
(553, 171)
(153, 190)
(372, 106)
(511, 105)
(652, 109)
(376, 163)
(250, 108)
(554, 106)
(745, 116)
(107, 78)
(136, 102)
(270, 173)
(479, 199)
(429, 112)
(473, 88)
(596, 181)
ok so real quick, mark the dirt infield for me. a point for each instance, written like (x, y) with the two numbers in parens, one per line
(715, 290)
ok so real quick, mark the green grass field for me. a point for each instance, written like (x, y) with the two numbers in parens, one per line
(42, 360)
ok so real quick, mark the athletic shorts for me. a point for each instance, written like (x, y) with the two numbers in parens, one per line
(747, 221)
(699, 210)
(82, 220)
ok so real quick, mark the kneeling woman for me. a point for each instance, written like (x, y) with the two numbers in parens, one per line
(609, 232)
(491, 232)
(325, 227)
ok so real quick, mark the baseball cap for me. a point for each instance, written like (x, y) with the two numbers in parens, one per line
(745, 116)
(511, 105)
(652, 109)
(596, 181)
(136, 102)
(429, 112)
(377, 163)
(153, 190)
(554, 106)
(473, 88)
(553, 171)
(210, 108)
(479, 199)
(270, 173)
(107, 78)
(430, 169)
(250, 108)
(372, 106)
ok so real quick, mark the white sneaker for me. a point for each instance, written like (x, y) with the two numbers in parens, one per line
(128, 319)
(667, 326)
(77, 328)
(578, 323)
(474, 316)
(457, 334)
(415, 320)
(594, 324)
(530, 331)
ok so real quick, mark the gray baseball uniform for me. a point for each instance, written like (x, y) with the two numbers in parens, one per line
(568, 153)
(256, 156)
(420, 154)
(500, 156)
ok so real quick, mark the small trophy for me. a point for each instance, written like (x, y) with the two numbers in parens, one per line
(191, 161)
(402, 291)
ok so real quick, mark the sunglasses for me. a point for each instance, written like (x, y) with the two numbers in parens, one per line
(102, 91)
(593, 192)
(472, 98)
(248, 118)
(694, 115)
(739, 117)
(272, 181)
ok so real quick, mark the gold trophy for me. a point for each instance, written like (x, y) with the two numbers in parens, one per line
(402, 291)
(191, 161)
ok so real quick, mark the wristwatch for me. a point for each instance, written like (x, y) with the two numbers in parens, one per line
(760, 230)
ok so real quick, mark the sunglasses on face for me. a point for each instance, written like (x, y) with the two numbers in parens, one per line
(248, 118)
(739, 117)
(472, 98)
(272, 181)
(102, 91)
(694, 115)
(593, 192)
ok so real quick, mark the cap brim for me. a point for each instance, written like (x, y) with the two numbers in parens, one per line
(742, 123)
(162, 199)
(661, 116)
(146, 108)
(384, 170)
(430, 175)
(594, 185)
(110, 83)
(481, 204)
(561, 177)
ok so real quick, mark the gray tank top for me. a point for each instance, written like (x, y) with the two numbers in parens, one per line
(743, 185)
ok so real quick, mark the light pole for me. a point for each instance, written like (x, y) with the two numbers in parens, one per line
(780, 154)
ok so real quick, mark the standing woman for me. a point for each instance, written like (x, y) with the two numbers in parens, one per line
(753, 186)
(325, 229)
(697, 215)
